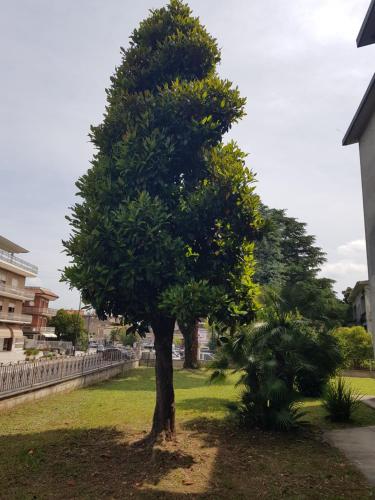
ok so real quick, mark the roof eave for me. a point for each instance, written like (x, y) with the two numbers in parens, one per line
(366, 35)
(362, 116)
(10, 246)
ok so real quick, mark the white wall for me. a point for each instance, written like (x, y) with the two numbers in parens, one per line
(367, 155)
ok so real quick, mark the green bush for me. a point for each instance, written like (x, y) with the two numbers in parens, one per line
(340, 400)
(266, 400)
(31, 352)
(322, 353)
(355, 346)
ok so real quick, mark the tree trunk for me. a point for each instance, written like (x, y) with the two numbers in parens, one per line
(164, 415)
(190, 334)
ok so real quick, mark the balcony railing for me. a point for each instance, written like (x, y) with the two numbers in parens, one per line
(21, 292)
(39, 329)
(16, 261)
(17, 318)
(47, 329)
(39, 311)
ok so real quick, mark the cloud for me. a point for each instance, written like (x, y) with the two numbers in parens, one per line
(343, 268)
(355, 248)
(347, 265)
(333, 20)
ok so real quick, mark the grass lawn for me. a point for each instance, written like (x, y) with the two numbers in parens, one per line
(83, 444)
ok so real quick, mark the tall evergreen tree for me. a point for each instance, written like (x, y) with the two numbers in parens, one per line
(165, 202)
(289, 260)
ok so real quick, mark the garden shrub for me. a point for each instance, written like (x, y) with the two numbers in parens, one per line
(340, 400)
(355, 345)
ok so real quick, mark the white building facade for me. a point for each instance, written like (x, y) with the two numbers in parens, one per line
(362, 132)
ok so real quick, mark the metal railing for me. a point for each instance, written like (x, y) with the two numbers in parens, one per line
(22, 292)
(41, 311)
(19, 318)
(40, 329)
(16, 261)
(47, 329)
(20, 377)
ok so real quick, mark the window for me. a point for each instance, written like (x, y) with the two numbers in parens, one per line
(14, 283)
(1, 305)
(3, 278)
(11, 308)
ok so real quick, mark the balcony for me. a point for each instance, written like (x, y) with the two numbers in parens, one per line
(14, 317)
(17, 265)
(16, 293)
(39, 311)
(47, 329)
(39, 329)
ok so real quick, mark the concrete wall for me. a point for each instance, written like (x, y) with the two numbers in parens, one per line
(358, 373)
(367, 155)
(68, 385)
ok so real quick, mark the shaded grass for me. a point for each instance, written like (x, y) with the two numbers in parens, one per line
(81, 445)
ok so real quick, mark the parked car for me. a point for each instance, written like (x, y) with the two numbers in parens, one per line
(100, 348)
(206, 356)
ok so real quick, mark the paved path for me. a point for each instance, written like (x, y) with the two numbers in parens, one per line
(369, 401)
(358, 444)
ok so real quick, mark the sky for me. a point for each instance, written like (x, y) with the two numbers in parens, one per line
(296, 62)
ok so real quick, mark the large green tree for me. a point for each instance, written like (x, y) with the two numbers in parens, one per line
(70, 327)
(165, 202)
(289, 260)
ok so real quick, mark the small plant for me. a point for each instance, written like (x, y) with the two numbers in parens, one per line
(31, 353)
(340, 400)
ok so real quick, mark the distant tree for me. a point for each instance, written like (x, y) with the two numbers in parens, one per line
(128, 339)
(355, 345)
(288, 260)
(115, 335)
(165, 201)
(70, 327)
(346, 293)
(189, 303)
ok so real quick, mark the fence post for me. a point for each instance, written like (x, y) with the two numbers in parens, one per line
(33, 373)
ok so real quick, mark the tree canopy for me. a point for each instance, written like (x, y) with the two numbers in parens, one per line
(69, 327)
(289, 260)
(165, 201)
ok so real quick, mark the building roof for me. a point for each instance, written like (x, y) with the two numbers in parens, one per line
(364, 112)
(366, 34)
(11, 247)
(43, 291)
(358, 287)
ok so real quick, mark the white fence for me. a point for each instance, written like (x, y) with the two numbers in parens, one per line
(20, 377)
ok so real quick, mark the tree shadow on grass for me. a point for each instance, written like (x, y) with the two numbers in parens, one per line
(262, 465)
(104, 463)
(143, 379)
(203, 404)
(94, 463)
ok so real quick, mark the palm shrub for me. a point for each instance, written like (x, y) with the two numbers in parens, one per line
(320, 347)
(268, 399)
(277, 357)
(340, 400)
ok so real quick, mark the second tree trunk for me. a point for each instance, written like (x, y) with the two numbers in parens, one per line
(190, 334)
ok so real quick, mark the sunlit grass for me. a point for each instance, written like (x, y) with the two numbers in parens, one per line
(78, 445)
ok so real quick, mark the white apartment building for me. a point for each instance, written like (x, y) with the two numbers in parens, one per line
(13, 273)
